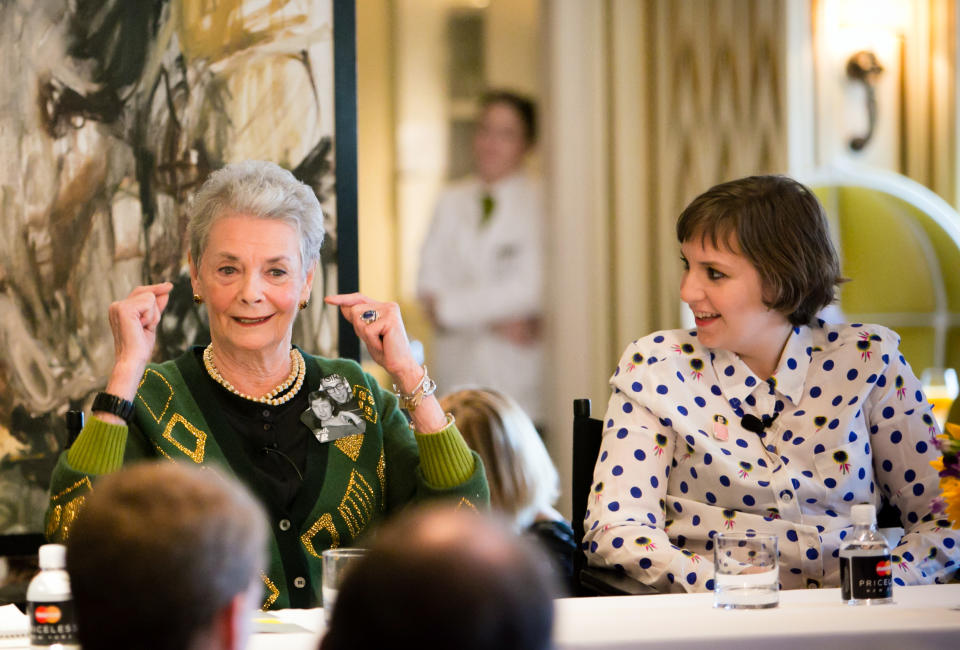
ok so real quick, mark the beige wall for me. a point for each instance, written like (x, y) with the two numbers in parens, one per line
(376, 154)
(649, 104)
(645, 103)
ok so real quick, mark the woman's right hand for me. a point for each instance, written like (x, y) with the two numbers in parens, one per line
(134, 322)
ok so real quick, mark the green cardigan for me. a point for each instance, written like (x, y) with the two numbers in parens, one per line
(348, 485)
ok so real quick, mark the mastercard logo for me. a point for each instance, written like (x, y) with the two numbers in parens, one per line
(47, 614)
(884, 568)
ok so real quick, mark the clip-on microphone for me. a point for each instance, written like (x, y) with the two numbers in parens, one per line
(753, 423)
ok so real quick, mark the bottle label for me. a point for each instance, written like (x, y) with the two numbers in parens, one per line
(863, 577)
(52, 622)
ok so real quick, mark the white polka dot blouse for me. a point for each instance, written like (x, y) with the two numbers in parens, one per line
(843, 421)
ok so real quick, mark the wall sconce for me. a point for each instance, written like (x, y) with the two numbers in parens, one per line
(864, 67)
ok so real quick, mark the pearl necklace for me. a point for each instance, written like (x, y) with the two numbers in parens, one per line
(298, 371)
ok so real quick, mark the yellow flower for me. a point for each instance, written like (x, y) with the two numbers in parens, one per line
(950, 488)
(952, 430)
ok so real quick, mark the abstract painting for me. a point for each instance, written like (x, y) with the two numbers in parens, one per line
(112, 112)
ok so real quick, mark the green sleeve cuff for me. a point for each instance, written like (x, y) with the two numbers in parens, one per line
(99, 447)
(445, 459)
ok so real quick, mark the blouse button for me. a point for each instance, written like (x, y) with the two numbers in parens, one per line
(299, 582)
(266, 413)
(284, 524)
(787, 496)
(266, 427)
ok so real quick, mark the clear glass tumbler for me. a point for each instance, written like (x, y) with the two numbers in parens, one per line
(747, 574)
(337, 562)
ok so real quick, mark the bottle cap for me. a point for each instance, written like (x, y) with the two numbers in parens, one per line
(53, 556)
(863, 514)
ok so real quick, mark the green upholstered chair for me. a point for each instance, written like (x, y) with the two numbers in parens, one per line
(899, 244)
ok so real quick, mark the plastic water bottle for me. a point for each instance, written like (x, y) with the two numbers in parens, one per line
(865, 568)
(53, 622)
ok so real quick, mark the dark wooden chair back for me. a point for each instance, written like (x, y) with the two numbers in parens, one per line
(592, 581)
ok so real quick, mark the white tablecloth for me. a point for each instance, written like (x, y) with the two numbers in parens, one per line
(920, 617)
(311, 619)
(281, 638)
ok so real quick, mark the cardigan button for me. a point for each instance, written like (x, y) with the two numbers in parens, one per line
(284, 524)
(299, 582)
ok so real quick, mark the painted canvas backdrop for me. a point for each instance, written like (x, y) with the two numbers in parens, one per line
(111, 114)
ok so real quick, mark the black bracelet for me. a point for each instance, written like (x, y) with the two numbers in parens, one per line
(118, 406)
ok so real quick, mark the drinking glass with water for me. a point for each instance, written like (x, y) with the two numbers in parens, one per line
(747, 574)
(337, 562)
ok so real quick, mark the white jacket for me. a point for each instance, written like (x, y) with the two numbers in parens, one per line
(478, 275)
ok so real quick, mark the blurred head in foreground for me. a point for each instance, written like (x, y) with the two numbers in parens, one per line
(440, 578)
(166, 556)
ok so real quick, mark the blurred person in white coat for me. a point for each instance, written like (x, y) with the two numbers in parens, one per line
(481, 268)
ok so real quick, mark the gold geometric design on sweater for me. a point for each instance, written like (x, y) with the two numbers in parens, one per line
(62, 518)
(162, 452)
(195, 454)
(272, 588)
(368, 407)
(350, 445)
(147, 377)
(465, 503)
(84, 482)
(382, 475)
(323, 523)
(357, 505)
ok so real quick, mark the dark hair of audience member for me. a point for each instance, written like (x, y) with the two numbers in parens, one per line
(158, 549)
(443, 578)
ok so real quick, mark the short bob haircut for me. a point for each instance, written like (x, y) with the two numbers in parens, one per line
(259, 189)
(779, 225)
(522, 479)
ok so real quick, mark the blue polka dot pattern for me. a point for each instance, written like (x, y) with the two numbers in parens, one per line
(849, 424)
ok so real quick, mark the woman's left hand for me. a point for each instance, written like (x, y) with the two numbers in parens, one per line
(380, 327)
(383, 334)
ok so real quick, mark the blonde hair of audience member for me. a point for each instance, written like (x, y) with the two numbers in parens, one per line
(167, 556)
(523, 480)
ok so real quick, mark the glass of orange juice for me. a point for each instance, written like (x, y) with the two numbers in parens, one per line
(941, 387)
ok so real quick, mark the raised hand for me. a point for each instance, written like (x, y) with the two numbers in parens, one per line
(380, 327)
(384, 334)
(134, 322)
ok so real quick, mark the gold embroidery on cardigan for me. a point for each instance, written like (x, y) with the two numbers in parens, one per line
(274, 592)
(323, 523)
(166, 405)
(62, 518)
(195, 454)
(53, 521)
(350, 445)
(63, 515)
(162, 452)
(465, 503)
(366, 403)
(382, 475)
(356, 508)
(85, 481)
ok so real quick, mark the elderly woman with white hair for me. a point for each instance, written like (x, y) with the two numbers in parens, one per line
(241, 403)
